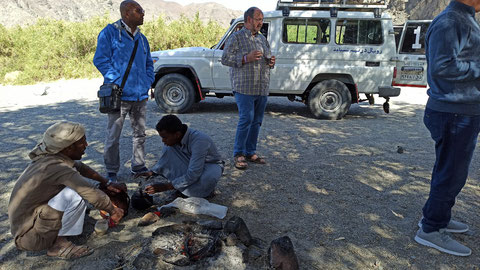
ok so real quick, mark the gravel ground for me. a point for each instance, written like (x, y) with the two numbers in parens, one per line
(338, 189)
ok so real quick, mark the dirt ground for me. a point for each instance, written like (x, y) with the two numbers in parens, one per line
(338, 189)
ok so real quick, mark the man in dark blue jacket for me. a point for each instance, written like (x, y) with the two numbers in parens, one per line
(114, 49)
(452, 115)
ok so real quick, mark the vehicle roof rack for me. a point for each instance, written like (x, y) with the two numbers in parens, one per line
(327, 4)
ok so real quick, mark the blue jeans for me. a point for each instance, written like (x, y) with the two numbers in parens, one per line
(455, 138)
(250, 112)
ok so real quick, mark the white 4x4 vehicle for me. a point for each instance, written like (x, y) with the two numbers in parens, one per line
(327, 53)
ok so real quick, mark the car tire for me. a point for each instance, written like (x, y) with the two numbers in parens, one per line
(329, 99)
(174, 93)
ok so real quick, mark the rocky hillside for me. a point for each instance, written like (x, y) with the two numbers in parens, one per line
(402, 10)
(21, 12)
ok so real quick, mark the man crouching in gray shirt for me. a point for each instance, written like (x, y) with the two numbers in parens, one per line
(189, 160)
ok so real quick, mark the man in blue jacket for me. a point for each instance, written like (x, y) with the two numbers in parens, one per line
(114, 49)
(452, 115)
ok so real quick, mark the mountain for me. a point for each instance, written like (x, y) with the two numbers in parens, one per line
(426, 8)
(23, 12)
(402, 10)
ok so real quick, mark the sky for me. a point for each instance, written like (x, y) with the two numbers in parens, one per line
(264, 5)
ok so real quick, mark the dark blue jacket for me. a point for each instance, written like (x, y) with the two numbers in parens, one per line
(453, 56)
(114, 48)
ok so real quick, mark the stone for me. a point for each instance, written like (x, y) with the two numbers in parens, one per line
(253, 253)
(45, 91)
(166, 212)
(281, 255)
(147, 219)
(237, 226)
(210, 224)
(261, 244)
(10, 77)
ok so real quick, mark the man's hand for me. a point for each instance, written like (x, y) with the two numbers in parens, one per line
(272, 62)
(254, 55)
(116, 214)
(143, 174)
(117, 187)
(160, 187)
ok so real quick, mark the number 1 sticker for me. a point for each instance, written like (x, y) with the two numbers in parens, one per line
(417, 44)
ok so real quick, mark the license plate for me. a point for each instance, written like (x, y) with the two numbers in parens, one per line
(411, 77)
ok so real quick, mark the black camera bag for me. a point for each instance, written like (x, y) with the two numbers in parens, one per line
(110, 94)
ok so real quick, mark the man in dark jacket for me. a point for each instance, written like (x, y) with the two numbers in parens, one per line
(452, 115)
(114, 49)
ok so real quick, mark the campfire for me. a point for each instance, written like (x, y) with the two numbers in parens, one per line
(184, 244)
(210, 243)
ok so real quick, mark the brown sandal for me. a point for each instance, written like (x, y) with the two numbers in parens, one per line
(256, 159)
(72, 251)
(240, 162)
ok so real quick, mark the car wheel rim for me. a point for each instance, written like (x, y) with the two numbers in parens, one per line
(175, 95)
(330, 101)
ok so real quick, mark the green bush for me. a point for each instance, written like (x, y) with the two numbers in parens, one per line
(50, 50)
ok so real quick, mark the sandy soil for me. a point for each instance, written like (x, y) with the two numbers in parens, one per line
(338, 189)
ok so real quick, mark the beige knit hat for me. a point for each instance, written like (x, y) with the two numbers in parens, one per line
(58, 137)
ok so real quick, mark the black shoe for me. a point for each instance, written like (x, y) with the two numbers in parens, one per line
(142, 170)
(112, 177)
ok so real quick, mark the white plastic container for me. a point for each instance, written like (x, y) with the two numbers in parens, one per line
(200, 206)
(101, 226)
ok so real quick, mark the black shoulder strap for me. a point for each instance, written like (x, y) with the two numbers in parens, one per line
(129, 64)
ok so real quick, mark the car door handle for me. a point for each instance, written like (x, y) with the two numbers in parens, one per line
(219, 60)
(422, 58)
(372, 64)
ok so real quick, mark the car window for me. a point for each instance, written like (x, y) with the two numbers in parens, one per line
(264, 30)
(310, 31)
(358, 32)
(398, 33)
(414, 38)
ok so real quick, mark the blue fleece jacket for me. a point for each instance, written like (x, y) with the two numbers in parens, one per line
(453, 56)
(114, 48)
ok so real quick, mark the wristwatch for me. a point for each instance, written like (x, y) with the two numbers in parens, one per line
(108, 182)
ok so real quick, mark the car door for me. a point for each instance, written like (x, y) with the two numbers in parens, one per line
(411, 66)
(221, 73)
(301, 51)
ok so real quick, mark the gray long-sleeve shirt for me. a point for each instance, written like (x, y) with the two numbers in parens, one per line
(195, 149)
